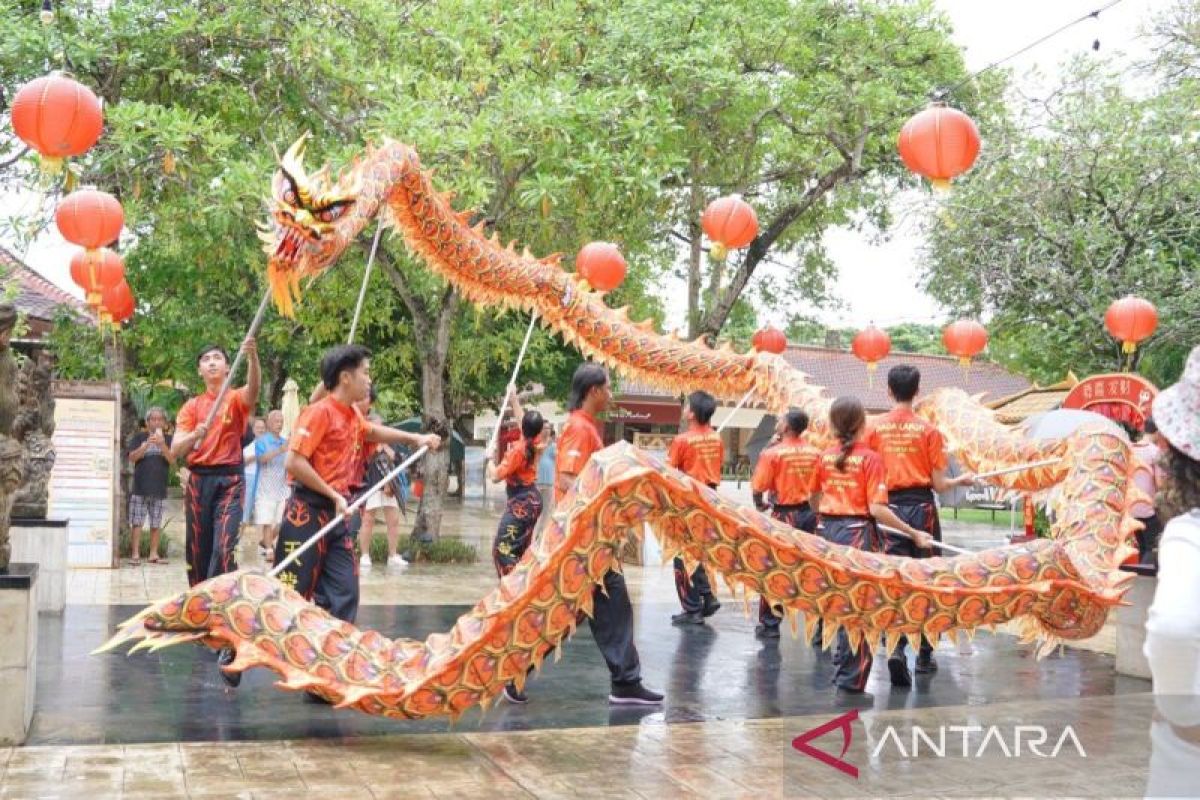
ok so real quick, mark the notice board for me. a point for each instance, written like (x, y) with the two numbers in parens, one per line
(85, 482)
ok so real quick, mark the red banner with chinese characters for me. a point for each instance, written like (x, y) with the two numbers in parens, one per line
(1122, 397)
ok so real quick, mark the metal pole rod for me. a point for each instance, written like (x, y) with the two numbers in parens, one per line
(962, 551)
(362, 292)
(255, 325)
(736, 408)
(316, 537)
(512, 382)
(1018, 468)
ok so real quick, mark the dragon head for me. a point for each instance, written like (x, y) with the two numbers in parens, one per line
(305, 210)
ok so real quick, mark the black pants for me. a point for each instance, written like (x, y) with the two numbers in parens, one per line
(516, 527)
(692, 589)
(612, 627)
(1147, 540)
(327, 573)
(915, 506)
(801, 517)
(213, 515)
(852, 666)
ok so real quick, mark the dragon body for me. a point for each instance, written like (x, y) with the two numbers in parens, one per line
(1054, 589)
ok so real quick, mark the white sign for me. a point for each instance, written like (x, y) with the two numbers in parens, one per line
(83, 481)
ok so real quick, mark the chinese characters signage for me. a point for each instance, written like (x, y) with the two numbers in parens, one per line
(1122, 397)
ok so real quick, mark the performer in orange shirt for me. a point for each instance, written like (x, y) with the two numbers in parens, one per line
(326, 463)
(612, 613)
(914, 458)
(787, 471)
(699, 453)
(216, 484)
(850, 491)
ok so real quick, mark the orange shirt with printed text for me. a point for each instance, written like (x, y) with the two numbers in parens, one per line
(787, 470)
(515, 468)
(579, 440)
(333, 437)
(222, 446)
(699, 452)
(850, 491)
(911, 448)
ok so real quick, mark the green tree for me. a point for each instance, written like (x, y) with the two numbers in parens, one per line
(1090, 195)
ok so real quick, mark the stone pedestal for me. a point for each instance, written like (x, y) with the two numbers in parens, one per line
(18, 655)
(1131, 628)
(44, 542)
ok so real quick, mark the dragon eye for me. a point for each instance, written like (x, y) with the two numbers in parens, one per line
(285, 189)
(331, 212)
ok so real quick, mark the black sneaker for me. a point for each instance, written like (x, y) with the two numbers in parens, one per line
(711, 606)
(898, 670)
(687, 618)
(225, 657)
(514, 695)
(767, 632)
(926, 665)
(633, 694)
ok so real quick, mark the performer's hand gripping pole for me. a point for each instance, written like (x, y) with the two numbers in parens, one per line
(255, 326)
(333, 523)
(962, 551)
(1049, 462)
(512, 383)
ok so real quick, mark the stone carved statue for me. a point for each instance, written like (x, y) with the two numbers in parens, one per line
(34, 429)
(12, 452)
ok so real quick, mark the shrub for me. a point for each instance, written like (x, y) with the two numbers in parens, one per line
(438, 551)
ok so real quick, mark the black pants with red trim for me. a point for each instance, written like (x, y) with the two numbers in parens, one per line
(327, 573)
(692, 589)
(917, 507)
(801, 517)
(212, 504)
(516, 527)
(852, 667)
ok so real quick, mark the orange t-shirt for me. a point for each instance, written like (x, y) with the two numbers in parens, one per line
(514, 467)
(333, 437)
(580, 439)
(911, 448)
(222, 446)
(699, 452)
(850, 491)
(787, 470)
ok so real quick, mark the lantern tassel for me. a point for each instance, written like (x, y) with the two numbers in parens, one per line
(940, 184)
(1128, 347)
(718, 252)
(870, 374)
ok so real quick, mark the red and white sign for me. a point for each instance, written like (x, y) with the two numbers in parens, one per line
(1122, 397)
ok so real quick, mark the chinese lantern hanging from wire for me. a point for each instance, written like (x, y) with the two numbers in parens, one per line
(769, 340)
(601, 265)
(730, 222)
(939, 143)
(116, 305)
(96, 271)
(966, 339)
(1131, 320)
(58, 117)
(871, 345)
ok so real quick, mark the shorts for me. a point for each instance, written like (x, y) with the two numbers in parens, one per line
(142, 507)
(381, 500)
(267, 511)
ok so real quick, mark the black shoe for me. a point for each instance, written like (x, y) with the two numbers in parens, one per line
(711, 606)
(767, 632)
(687, 618)
(926, 665)
(316, 699)
(898, 670)
(225, 657)
(514, 695)
(633, 694)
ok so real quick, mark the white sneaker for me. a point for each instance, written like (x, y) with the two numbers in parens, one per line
(365, 561)
(397, 561)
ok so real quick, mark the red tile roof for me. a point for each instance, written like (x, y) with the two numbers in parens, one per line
(840, 373)
(37, 297)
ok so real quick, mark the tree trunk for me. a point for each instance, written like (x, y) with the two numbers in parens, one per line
(435, 466)
(695, 252)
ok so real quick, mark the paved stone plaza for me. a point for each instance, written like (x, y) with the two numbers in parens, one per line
(164, 725)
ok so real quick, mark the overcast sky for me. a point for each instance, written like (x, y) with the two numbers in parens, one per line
(877, 280)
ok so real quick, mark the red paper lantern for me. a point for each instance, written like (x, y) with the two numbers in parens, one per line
(601, 265)
(116, 303)
(965, 339)
(96, 271)
(730, 223)
(58, 117)
(871, 345)
(90, 218)
(769, 340)
(939, 143)
(1130, 320)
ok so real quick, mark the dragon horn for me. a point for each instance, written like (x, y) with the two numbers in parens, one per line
(293, 159)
